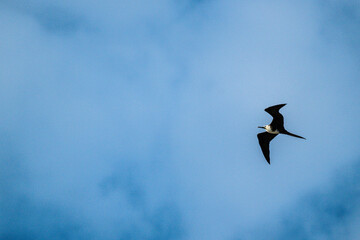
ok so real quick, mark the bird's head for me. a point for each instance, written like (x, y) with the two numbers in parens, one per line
(261, 127)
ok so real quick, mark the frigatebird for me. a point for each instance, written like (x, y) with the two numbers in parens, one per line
(272, 130)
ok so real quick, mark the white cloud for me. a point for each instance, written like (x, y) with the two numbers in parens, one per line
(174, 92)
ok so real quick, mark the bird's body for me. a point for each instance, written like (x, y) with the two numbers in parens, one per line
(272, 130)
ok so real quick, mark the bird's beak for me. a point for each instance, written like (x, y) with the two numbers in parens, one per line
(261, 127)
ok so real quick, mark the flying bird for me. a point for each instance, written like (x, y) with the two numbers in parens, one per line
(272, 130)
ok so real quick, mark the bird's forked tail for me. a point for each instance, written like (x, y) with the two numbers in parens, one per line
(291, 134)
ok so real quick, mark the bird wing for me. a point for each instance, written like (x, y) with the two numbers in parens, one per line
(264, 141)
(278, 119)
(274, 110)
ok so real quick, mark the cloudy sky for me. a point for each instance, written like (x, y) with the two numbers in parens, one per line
(137, 120)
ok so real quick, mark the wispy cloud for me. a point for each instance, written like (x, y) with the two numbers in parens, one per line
(327, 213)
(138, 120)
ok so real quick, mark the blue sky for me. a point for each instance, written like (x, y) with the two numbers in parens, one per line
(138, 119)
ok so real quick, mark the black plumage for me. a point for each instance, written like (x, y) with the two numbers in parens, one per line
(264, 141)
(272, 130)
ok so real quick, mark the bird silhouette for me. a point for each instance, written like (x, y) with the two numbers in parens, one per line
(273, 129)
